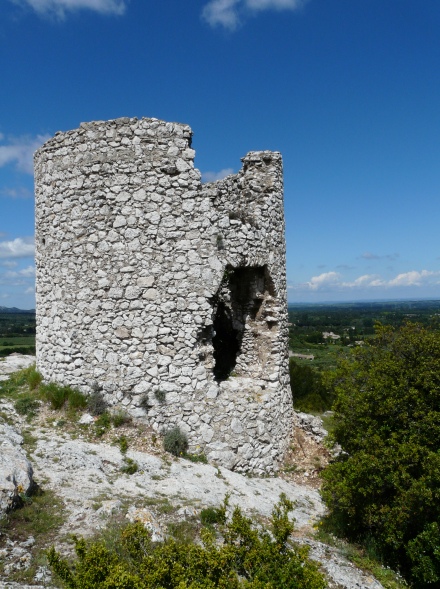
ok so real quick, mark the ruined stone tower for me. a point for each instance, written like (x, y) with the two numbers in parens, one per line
(166, 293)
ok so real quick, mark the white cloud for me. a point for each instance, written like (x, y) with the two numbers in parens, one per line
(323, 281)
(227, 13)
(214, 176)
(20, 150)
(20, 247)
(23, 273)
(415, 278)
(333, 282)
(19, 192)
(59, 8)
(222, 12)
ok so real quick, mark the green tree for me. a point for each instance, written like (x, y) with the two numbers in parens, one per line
(384, 489)
(308, 391)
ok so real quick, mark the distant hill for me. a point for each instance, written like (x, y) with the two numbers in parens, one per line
(15, 310)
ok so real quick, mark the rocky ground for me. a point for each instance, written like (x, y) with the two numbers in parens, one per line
(91, 486)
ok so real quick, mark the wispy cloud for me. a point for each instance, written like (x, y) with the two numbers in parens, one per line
(214, 176)
(19, 151)
(334, 282)
(20, 247)
(371, 256)
(23, 273)
(229, 13)
(60, 8)
(9, 263)
(275, 4)
(19, 192)
(223, 13)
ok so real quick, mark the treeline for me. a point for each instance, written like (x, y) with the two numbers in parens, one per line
(355, 321)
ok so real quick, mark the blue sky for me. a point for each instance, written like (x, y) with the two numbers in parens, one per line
(347, 90)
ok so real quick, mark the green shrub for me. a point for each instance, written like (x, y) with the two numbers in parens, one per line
(58, 395)
(96, 403)
(123, 444)
(33, 378)
(384, 488)
(175, 442)
(213, 515)
(27, 405)
(120, 417)
(248, 558)
(77, 400)
(102, 424)
(55, 394)
(308, 391)
(160, 396)
(130, 466)
(196, 458)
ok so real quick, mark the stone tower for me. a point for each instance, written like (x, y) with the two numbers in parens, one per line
(166, 293)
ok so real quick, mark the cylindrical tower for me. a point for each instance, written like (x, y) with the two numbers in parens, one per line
(166, 294)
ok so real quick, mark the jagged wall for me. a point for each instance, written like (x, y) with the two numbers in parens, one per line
(168, 294)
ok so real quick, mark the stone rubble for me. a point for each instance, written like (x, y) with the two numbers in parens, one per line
(311, 424)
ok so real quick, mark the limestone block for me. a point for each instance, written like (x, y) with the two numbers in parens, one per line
(16, 474)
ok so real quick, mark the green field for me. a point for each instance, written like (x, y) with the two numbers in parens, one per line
(353, 322)
(17, 333)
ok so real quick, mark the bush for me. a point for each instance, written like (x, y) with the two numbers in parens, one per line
(247, 559)
(33, 378)
(123, 444)
(96, 403)
(27, 405)
(58, 395)
(120, 417)
(130, 466)
(175, 442)
(102, 424)
(213, 515)
(308, 391)
(385, 486)
(77, 400)
(54, 394)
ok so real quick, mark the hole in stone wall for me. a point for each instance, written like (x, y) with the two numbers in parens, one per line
(226, 342)
(239, 298)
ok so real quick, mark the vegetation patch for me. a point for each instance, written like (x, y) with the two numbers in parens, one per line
(383, 490)
(130, 466)
(175, 442)
(96, 403)
(41, 516)
(248, 558)
(27, 405)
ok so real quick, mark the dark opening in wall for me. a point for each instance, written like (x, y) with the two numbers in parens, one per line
(239, 298)
(226, 342)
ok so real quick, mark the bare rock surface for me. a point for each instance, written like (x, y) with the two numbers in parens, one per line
(89, 477)
(16, 474)
(341, 572)
(14, 362)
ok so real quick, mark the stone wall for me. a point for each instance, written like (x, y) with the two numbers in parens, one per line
(167, 294)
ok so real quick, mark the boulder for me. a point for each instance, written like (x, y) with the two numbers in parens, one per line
(16, 474)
